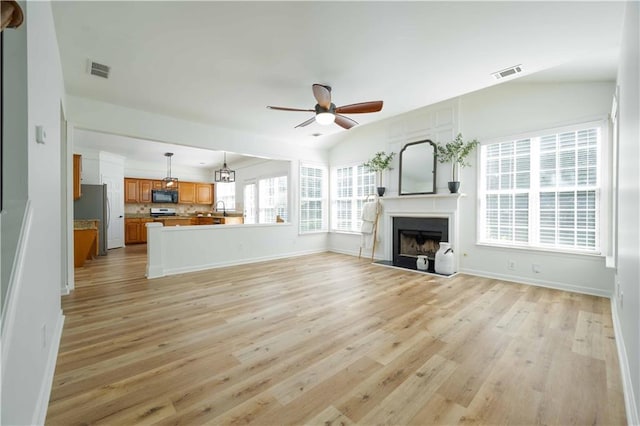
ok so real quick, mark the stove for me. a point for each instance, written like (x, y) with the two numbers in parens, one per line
(162, 211)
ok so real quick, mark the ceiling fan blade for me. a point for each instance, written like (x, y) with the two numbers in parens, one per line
(362, 107)
(345, 122)
(306, 123)
(290, 109)
(322, 95)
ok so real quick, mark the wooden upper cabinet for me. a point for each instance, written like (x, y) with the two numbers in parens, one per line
(204, 193)
(131, 190)
(77, 176)
(144, 190)
(139, 191)
(186, 192)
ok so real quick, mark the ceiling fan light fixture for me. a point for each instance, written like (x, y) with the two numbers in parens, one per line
(325, 118)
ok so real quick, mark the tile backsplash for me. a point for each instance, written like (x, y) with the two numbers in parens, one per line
(141, 208)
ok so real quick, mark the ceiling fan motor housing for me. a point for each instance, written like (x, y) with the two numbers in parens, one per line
(331, 109)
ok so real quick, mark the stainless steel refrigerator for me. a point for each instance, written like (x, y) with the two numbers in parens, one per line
(93, 204)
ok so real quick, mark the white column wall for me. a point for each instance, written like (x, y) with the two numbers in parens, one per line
(627, 307)
(34, 320)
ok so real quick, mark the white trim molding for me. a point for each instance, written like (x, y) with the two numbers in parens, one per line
(633, 417)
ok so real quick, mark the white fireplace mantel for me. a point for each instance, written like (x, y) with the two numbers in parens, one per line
(427, 205)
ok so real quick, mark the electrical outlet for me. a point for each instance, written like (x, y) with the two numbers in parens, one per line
(621, 298)
(535, 268)
(511, 265)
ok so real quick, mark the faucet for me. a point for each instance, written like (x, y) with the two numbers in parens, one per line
(224, 210)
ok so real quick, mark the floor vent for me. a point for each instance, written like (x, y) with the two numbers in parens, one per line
(507, 72)
(99, 70)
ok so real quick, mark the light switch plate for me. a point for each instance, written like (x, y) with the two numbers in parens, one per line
(41, 134)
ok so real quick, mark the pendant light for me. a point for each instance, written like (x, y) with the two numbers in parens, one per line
(169, 182)
(225, 174)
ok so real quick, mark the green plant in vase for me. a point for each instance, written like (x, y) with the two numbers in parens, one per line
(456, 153)
(380, 162)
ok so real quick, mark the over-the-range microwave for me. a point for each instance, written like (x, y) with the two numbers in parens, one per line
(164, 196)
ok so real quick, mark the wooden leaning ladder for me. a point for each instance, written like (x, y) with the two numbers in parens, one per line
(375, 226)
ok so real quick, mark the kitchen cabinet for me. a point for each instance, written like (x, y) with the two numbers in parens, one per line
(144, 190)
(204, 193)
(77, 176)
(186, 193)
(143, 228)
(138, 190)
(135, 230)
(132, 232)
(203, 220)
(174, 220)
(131, 190)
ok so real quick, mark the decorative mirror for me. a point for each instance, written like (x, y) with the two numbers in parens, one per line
(418, 168)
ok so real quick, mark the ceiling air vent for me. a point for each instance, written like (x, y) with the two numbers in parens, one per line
(507, 72)
(99, 70)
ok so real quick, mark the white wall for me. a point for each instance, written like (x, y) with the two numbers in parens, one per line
(628, 249)
(35, 322)
(500, 111)
(512, 109)
(176, 250)
(110, 118)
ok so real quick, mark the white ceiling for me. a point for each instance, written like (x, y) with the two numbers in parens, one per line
(222, 63)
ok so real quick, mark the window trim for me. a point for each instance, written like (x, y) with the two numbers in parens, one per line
(603, 191)
(274, 175)
(333, 195)
(324, 197)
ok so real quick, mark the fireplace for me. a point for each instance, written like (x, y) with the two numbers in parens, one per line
(416, 236)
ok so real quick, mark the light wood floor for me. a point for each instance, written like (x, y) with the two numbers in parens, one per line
(329, 339)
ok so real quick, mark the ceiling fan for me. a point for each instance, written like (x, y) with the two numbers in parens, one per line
(327, 112)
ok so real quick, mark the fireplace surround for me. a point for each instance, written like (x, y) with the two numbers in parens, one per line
(415, 236)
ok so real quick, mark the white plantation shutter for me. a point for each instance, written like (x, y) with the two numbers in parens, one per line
(351, 185)
(272, 199)
(313, 183)
(542, 191)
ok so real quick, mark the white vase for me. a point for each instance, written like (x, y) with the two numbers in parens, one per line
(445, 260)
(422, 263)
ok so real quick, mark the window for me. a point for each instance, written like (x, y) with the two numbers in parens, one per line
(351, 185)
(543, 191)
(313, 183)
(250, 203)
(272, 200)
(226, 192)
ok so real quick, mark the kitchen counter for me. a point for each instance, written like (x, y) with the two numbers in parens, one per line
(174, 220)
(85, 224)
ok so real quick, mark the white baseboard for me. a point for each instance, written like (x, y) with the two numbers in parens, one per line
(539, 283)
(365, 255)
(633, 418)
(196, 268)
(40, 413)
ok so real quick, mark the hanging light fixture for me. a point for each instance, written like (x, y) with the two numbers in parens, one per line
(225, 174)
(169, 182)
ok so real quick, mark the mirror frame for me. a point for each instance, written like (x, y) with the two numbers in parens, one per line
(426, 141)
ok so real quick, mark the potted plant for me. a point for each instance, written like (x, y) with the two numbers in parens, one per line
(455, 152)
(380, 162)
